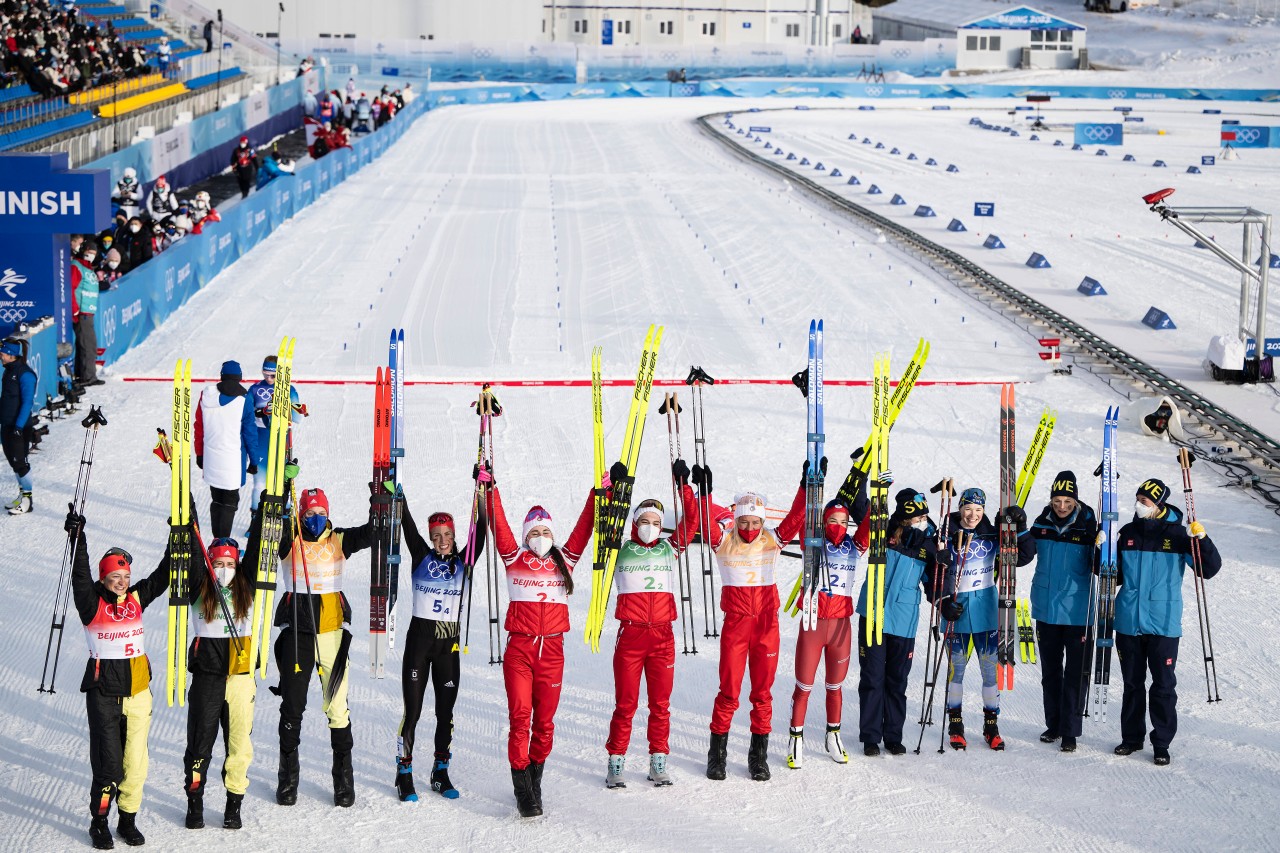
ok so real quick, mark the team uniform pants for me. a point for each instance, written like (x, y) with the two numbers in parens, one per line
(959, 649)
(220, 702)
(747, 640)
(293, 685)
(882, 685)
(118, 728)
(533, 670)
(1061, 661)
(86, 349)
(427, 656)
(1138, 656)
(832, 640)
(16, 450)
(649, 649)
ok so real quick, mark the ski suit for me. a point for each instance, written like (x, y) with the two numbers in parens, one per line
(17, 394)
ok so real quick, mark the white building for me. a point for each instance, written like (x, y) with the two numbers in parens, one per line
(1020, 38)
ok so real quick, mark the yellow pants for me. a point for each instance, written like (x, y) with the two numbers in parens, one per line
(118, 731)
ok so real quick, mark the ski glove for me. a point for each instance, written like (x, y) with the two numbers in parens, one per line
(291, 470)
(822, 469)
(618, 472)
(702, 478)
(482, 474)
(1101, 540)
(680, 472)
(1196, 529)
(252, 469)
(951, 609)
(1018, 516)
(74, 524)
(885, 478)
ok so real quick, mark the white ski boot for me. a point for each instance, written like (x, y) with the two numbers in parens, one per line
(658, 774)
(834, 747)
(795, 749)
(617, 763)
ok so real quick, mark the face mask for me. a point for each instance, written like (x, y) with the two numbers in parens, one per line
(920, 522)
(835, 533)
(225, 574)
(315, 524)
(113, 264)
(1145, 510)
(135, 228)
(648, 533)
(749, 535)
(540, 545)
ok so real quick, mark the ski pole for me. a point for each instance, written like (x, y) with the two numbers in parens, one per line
(1185, 459)
(671, 408)
(963, 541)
(944, 515)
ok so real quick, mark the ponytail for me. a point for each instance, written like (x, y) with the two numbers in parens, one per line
(563, 567)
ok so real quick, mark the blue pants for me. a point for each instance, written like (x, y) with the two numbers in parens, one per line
(1061, 660)
(882, 686)
(984, 644)
(1138, 656)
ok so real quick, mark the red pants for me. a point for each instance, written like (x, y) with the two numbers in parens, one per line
(831, 639)
(650, 648)
(532, 669)
(747, 639)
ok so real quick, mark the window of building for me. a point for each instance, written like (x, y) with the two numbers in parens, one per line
(624, 27)
(994, 43)
(544, 25)
(970, 42)
(708, 28)
(575, 25)
(1067, 36)
(793, 31)
(836, 31)
(585, 28)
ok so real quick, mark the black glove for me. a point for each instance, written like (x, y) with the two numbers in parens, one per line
(951, 609)
(200, 462)
(702, 478)
(487, 476)
(680, 472)
(74, 525)
(618, 472)
(1018, 516)
(804, 472)
(253, 468)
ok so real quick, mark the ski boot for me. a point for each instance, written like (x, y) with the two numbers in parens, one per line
(718, 756)
(758, 758)
(658, 770)
(127, 829)
(344, 783)
(525, 803)
(404, 782)
(195, 809)
(895, 748)
(231, 814)
(835, 748)
(100, 833)
(535, 782)
(1128, 748)
(617, 763)
(1162, 758)
(795, 749)
(955, 728)
(991, 731)
(21, 505)
(440, 777)
(287, 779)
(1068, 744)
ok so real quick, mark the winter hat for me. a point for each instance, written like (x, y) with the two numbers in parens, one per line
(1154, 490)
(1064, 486)
(115, 560)
(536, 517)
(224, 547)
(647, 505)
(312, 498)
(911, 504)
(11, 346)
(835, 505)
(231, 369)
(269, 364)
(749, 504)
(440, 519)
(973, 496)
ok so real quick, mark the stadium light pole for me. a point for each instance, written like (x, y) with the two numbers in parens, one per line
(217, 96)
(279, 19)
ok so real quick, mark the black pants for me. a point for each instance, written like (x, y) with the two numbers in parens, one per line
(86, 349)
(245, 178)
(1138, 656)
(118, 763)
(426, 655)
(16, 449)
(883, 671)
(295, 679)
(222, 511)
(1061, 661)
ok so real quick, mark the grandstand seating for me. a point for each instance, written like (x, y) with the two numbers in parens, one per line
(143, 99)
(232, 73)
(27, 135)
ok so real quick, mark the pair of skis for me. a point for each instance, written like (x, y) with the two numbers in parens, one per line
(487, 408)
(697, 380)
(272, 508)
(814, 575)
(385, 512)
(684, 572)
(879, 458)
(1102, 625)
(614, 505)
(181, 547)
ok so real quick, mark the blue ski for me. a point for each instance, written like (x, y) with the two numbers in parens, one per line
(814, 547)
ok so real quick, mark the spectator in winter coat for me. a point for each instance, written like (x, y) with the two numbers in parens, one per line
(208, 36)
(161, 202)
(1154, 551)
(128, 195)
(226, 443)
(134, 245)
(84, 293)
(17, 395)
(111, 270)
(244, 162)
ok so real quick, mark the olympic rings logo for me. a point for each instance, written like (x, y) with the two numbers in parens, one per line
(1117, 94)
(1248, 134)
(482, 53)
(669, 56)
(437, 570)
(13, 315)
(874, 91)
(901, 53)
(1098, 132)
(978, 549)
(126, 612)
(168, 285)
(109, 327)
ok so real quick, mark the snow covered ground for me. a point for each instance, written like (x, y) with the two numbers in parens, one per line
(508, 240)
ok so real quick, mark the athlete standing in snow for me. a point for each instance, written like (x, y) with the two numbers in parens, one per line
(117, 682)
(969, 611)
(226, 445)
(431, 650)
(746, 556)
(222, 687)
(645, 577)
(539, 583)
(261, 394)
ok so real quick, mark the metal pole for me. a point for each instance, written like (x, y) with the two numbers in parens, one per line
(217, 100)
(1263, 285)
(279, 18)
(1245, 281)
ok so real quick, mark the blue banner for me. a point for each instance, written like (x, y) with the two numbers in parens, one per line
(1099, 134)
(1250, 136)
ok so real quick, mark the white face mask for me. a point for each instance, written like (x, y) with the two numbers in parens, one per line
(113, 264)
(920, 521)
(224, 574)
(649, 532)
(540, 545)
(135, 228)
(1145, 510)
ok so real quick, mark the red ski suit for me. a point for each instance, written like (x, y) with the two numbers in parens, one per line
(749, 599)
(537, 619)
(646, 643)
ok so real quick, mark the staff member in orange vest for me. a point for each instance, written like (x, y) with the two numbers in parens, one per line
(117, 682)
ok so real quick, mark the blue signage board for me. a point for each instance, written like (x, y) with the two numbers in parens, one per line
(984, 208)
(606, 31)
(41, 195)
(1099, 134)
(757, 129)
(1208, 160)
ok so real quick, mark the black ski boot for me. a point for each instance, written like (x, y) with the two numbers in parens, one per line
(535, 782)
(287, 784)
(718, 756)
(231, 814)
(523, 784)
(100, 834)
(1068, 744)
(955, 728)
(404, 781)
(344, 783)
(195, 809)
(991, 730)
(127, 829)
(758, 758)
(1162, 758)
(441, 785)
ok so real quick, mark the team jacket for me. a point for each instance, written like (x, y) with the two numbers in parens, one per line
(908, 567)
(841, 563)
(539, 606)
(438, 581)
(645, 574)
(224, 434)
(746, 568)
(17, 394)
(322, 559)
(219, 647)
(976, 587)
(118, 664)
(1153, 554)
(1065, 557)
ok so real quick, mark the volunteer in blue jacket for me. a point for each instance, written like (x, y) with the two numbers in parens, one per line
(884, 668)
(1154, 552)
(1060, 597)
(970, 609)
